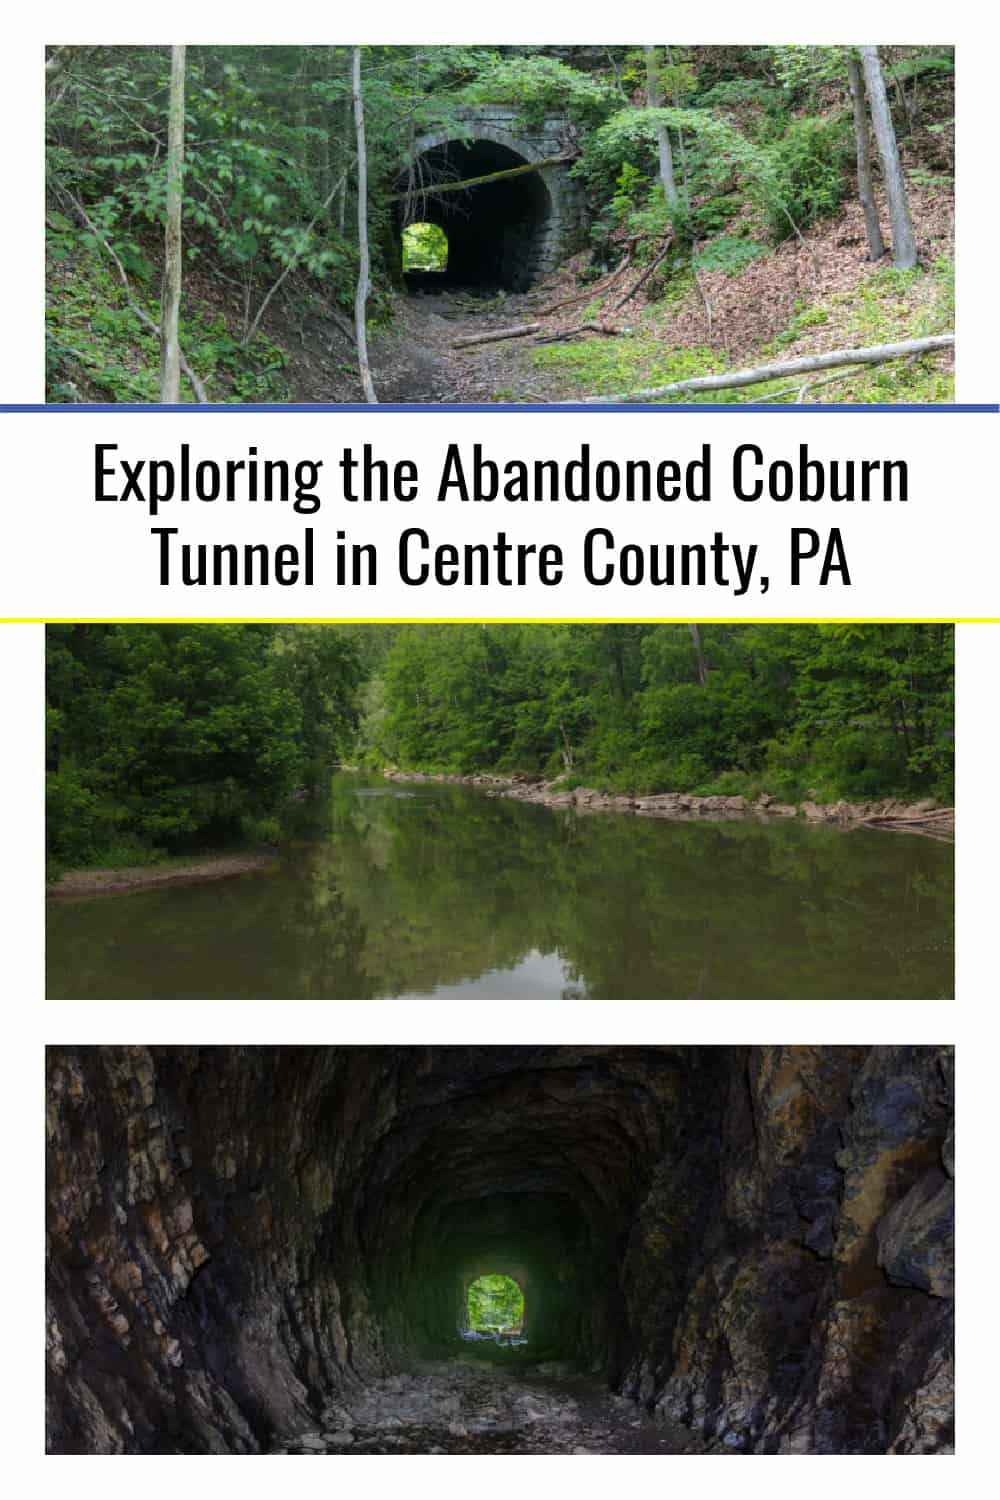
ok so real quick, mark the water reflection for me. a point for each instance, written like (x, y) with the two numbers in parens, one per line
(442, 891)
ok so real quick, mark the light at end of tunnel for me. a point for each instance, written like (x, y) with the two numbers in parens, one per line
(425, 248)
(495, 1304)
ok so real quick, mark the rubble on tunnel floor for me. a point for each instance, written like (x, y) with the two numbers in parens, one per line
(464, 1405)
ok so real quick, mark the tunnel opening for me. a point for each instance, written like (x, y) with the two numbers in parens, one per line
(260, 1249)
(496, 230)
(425, 249)
(494, 1307)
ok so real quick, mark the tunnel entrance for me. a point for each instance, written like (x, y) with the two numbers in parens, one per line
(496, 231)
(494, 1305)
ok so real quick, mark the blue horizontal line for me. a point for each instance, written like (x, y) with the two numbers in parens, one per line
(353, 408)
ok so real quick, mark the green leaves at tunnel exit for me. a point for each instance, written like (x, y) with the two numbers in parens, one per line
(494, 1302)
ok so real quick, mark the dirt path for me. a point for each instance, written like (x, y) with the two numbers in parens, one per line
(474, 1404)
(413, 359)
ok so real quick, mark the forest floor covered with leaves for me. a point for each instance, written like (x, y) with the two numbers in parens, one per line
(800, 299)
(478, 1404)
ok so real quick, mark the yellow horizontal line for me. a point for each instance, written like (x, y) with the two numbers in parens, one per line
(505, 620)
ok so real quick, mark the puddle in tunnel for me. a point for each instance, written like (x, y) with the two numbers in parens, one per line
(444, 891)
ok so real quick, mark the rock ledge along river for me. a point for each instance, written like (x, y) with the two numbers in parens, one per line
(440, 890)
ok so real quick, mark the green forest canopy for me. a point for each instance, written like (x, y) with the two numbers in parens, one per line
(162, 739)
(495, 1302)
(761, 137)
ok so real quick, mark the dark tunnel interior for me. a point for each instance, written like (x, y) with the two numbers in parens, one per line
(496, 231)
(752, 1242)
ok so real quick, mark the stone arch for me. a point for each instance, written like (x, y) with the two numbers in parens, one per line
(502, 234)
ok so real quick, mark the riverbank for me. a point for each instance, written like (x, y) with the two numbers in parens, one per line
(74, 884)
(924, 816)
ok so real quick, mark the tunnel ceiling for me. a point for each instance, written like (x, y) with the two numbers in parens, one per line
(236, 1233)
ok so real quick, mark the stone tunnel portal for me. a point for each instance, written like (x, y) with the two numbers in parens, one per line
(499, 233)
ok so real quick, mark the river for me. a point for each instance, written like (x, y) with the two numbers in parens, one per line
(438, 890)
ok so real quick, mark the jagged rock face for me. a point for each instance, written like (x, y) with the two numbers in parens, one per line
(755, 1242)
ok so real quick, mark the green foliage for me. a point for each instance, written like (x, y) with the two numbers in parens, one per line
(810, 317)
(923, 63)
(537, 85)
(166, 738)
(495, 1303)
(608, 365)
(630, 185)
(728, 254)
(425, 248)
(736, 91)
(715, 212)
(806, 173)
(828, 711)
(98, 349)
(804, 70)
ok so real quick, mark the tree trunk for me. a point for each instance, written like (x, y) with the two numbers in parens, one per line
(904, 248)
(699, 654)
(655, 99)
(342, 205)
(361, 296)
(876, 247)
(567, 748)
(521, 331)
(170, 302)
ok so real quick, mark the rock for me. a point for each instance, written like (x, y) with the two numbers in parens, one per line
(916, 1238)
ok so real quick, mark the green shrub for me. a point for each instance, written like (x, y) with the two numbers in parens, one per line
(715, 212)
(728, 254)
(806, 174)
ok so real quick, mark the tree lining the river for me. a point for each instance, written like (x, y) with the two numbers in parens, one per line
(167, 739)
(821, 711)
(162, 739)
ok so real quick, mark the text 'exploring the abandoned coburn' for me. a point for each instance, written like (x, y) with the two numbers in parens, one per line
(357, 551)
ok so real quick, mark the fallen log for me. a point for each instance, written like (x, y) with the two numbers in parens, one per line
(521, 331)
(435, 189)
(937, 815)
(875, 355)
(608, 329)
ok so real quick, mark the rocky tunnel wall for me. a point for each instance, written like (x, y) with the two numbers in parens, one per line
(755, 1241)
